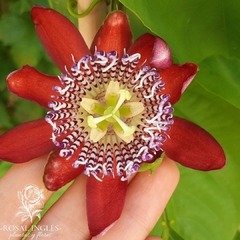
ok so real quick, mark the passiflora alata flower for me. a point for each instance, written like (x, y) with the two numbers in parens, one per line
(109, 112)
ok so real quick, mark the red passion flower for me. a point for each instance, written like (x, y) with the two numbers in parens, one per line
(108, 112)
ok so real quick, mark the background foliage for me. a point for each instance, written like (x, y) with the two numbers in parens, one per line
(205, 205)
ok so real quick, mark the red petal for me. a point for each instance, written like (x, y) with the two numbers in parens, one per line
(193, 147)
(177, 78)
(105, 202)
(114, 35)
(60, 38)
(30, 84)
(26, 141)
(152, 49)
(59, 171)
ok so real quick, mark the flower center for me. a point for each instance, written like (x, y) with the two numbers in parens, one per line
(109, 115)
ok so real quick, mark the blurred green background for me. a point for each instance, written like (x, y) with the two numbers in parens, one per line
(205, 206)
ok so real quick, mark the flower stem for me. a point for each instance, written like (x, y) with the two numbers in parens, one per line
(116, 5)
(165, 223)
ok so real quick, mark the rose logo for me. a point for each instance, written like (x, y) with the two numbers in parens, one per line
(31, 198)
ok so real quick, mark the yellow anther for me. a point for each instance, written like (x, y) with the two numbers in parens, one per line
(88, 104)
(112, 89)
(92, 122)
(124, 95)
(96, 134)
(127, 130)
(131, 109)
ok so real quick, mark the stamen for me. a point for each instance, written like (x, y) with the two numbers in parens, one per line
(111, 94)
(131, 109)
(96, 134)
(127, 130)
(91, 105)
(124, 95)
(93, 122)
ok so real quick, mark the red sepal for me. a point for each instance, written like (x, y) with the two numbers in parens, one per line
(193, 147)
(105, 202)
(30, 84)
(26, 141)
(59, 171)
(177, 78)
(60, 38)
(114, 35)
(154, 51)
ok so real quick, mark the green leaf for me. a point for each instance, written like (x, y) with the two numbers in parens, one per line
(4, 166)
(12, 29)
(207, 204)
(204, 208)
(4, 117)
(136, 25)
(26, 110)
(168, 232)
(221, 76)
(5, 68)
(237, 236)
(17, 31)
(27, 52)
(193, 29)
(173, 235)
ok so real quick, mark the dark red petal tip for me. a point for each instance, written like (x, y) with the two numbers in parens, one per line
(153, 50)
(60, 38)
(193, 147)
(114, 35)
(59, 171)
(177, 78)
(161, 57)
(30, 84)
(144, 46)
(26, 141)
(105, 202)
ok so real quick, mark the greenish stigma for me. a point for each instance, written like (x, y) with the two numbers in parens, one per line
(111, 114)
